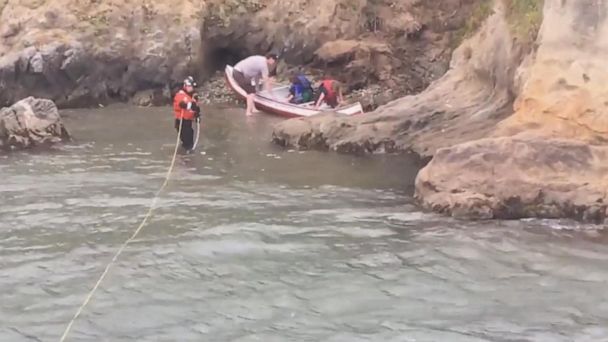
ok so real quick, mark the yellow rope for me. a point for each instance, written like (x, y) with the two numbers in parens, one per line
(88, 298)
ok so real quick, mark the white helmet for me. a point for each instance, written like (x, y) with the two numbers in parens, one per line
(189, 81)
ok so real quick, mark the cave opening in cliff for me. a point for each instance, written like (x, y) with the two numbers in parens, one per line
(218, 58)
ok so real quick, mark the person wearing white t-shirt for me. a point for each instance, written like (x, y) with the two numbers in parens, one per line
(254, 68)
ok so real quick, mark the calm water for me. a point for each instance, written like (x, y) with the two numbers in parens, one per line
(254, 243)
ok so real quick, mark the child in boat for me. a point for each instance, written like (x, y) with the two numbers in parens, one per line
(330, 92)
(300, 90)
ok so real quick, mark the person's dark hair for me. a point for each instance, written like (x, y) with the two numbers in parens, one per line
(272, 56)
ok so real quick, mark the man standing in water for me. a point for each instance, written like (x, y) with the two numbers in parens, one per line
(254, 68)
(186, 110)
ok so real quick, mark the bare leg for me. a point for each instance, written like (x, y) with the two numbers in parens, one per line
(250, 105)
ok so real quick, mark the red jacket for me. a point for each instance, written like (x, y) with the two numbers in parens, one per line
(178, 111)
(327, 84)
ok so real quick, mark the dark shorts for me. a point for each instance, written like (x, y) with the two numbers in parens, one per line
(243, 82)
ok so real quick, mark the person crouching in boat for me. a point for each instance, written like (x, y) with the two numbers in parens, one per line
(330, 92)
(254, 68)
(186, 110)
(300, 90)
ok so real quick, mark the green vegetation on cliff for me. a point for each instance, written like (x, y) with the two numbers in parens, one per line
(524, 18)
(478, 15)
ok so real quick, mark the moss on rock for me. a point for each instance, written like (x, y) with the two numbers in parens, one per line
(524, 18)
(478, 15)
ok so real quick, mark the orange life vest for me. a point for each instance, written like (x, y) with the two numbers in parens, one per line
(327, 84)
(179, 112)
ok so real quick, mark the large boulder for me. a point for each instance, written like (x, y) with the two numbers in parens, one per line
(31, 122)
(509, 178)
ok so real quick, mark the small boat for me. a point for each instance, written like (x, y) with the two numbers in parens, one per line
(279, 105)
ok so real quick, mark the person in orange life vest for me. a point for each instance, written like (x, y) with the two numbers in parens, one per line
(186, 110)
(330, 92)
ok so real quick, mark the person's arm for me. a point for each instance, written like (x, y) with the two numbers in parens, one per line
(187, 105)
(267, 81)
(321, 97)
(190, 106)
(292, 93)
(268, 86)
(196, 109)
(322, 92)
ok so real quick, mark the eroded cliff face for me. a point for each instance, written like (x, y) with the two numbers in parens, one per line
(565, 93)
(85, 52)
(550, 158)
(402, 44)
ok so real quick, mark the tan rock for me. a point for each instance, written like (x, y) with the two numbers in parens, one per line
(510, 178)
(550, 158)
(566, 92)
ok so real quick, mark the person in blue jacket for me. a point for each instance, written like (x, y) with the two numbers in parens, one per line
(300, 90)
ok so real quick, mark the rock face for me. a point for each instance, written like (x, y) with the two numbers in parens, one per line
(400, 44)
(465, 104)
(31, 122)
(565, 93)
(80, 53)
(102, 51)
(550, 158)
(508, 178)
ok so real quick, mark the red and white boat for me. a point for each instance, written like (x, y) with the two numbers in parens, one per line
(279, 105)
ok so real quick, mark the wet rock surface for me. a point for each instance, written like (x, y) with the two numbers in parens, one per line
(29, 123)
(511, 178)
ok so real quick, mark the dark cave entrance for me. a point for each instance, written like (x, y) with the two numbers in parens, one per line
(217, 58)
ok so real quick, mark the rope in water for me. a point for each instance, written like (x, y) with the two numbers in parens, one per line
(143, 222)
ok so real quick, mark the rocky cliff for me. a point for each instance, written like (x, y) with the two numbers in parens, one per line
(85, 52)
(516, 128)
(550, 158)
(465, 103)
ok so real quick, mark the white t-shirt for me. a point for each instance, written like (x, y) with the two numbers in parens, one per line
(253, 67)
